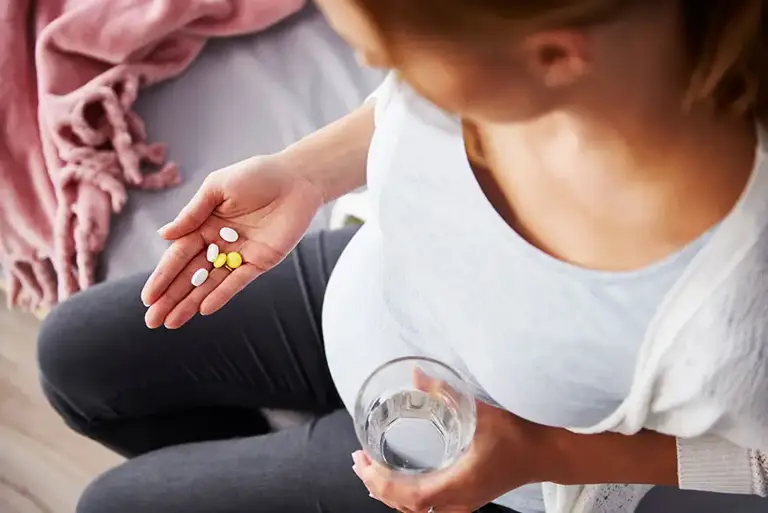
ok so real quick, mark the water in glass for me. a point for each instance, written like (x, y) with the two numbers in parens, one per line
(412, 431)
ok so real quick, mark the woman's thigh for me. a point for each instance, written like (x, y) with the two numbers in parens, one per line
(100, 364)
(307, 469)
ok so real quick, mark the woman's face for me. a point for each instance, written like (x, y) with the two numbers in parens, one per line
(520, 80)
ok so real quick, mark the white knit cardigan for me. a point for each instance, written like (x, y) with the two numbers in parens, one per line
(702, 371)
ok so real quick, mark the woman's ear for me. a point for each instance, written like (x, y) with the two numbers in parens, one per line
(558, 58)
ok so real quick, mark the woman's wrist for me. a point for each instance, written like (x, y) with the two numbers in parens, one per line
(333, 159)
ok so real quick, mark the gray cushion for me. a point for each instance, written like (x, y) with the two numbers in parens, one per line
(671, 500)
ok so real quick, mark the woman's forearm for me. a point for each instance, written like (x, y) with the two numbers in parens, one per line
(334, 158)
(644, 458)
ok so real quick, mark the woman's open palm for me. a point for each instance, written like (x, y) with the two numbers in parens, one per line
(268, 206)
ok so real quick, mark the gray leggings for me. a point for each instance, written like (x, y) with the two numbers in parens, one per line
(185, 405)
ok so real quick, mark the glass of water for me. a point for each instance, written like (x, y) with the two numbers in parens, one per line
(415, 415)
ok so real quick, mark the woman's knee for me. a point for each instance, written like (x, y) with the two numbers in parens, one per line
(116, 492)
(64, 355)
(183, 479)
(75, 350)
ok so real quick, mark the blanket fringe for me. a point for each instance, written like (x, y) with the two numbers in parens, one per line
(103, 148)
(30, 284)
(80, 66)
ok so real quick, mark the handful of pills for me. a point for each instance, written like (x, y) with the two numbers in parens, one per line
(231, 260)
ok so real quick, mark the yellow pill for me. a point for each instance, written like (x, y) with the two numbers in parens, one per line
(221, 259)
(234, 260)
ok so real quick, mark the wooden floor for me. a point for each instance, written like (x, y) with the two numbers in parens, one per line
(43, 466)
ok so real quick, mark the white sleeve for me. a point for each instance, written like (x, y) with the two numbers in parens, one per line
(383, 95)
(714, 464)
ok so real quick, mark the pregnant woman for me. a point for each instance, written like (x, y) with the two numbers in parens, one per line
(569, 206)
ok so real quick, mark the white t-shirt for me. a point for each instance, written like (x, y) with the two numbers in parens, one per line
(436, 271)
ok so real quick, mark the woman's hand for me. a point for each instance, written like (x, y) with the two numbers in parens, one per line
(507, 452)
(268, 205)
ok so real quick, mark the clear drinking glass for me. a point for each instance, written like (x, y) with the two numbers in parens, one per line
(412, 428)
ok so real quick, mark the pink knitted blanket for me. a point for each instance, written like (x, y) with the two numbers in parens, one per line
(70, 143)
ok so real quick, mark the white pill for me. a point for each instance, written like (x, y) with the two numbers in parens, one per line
(199, 277)
(228, 234)
(212, 253)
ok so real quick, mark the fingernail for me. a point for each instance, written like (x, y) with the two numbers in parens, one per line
(372, 496)
(355, 470)
(164, 227)
(147, 320)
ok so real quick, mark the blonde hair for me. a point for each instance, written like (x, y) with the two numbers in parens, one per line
(727, 39)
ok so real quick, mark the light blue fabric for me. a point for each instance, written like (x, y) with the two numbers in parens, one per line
(561, 312)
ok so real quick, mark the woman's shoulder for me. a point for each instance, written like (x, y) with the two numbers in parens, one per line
(394, 97)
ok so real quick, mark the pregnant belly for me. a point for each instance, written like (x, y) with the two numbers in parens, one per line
(359, 335)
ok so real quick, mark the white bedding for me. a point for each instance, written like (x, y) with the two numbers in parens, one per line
(242, 97)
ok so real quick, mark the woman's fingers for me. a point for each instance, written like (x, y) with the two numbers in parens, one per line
(190, 305)
(173, 261)
(178, 289)
(236, 281)
(169, 293)
(161, 290)
(196, 212)
(258, 258)
(426, 383)
(180, 253)
(399, 492)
